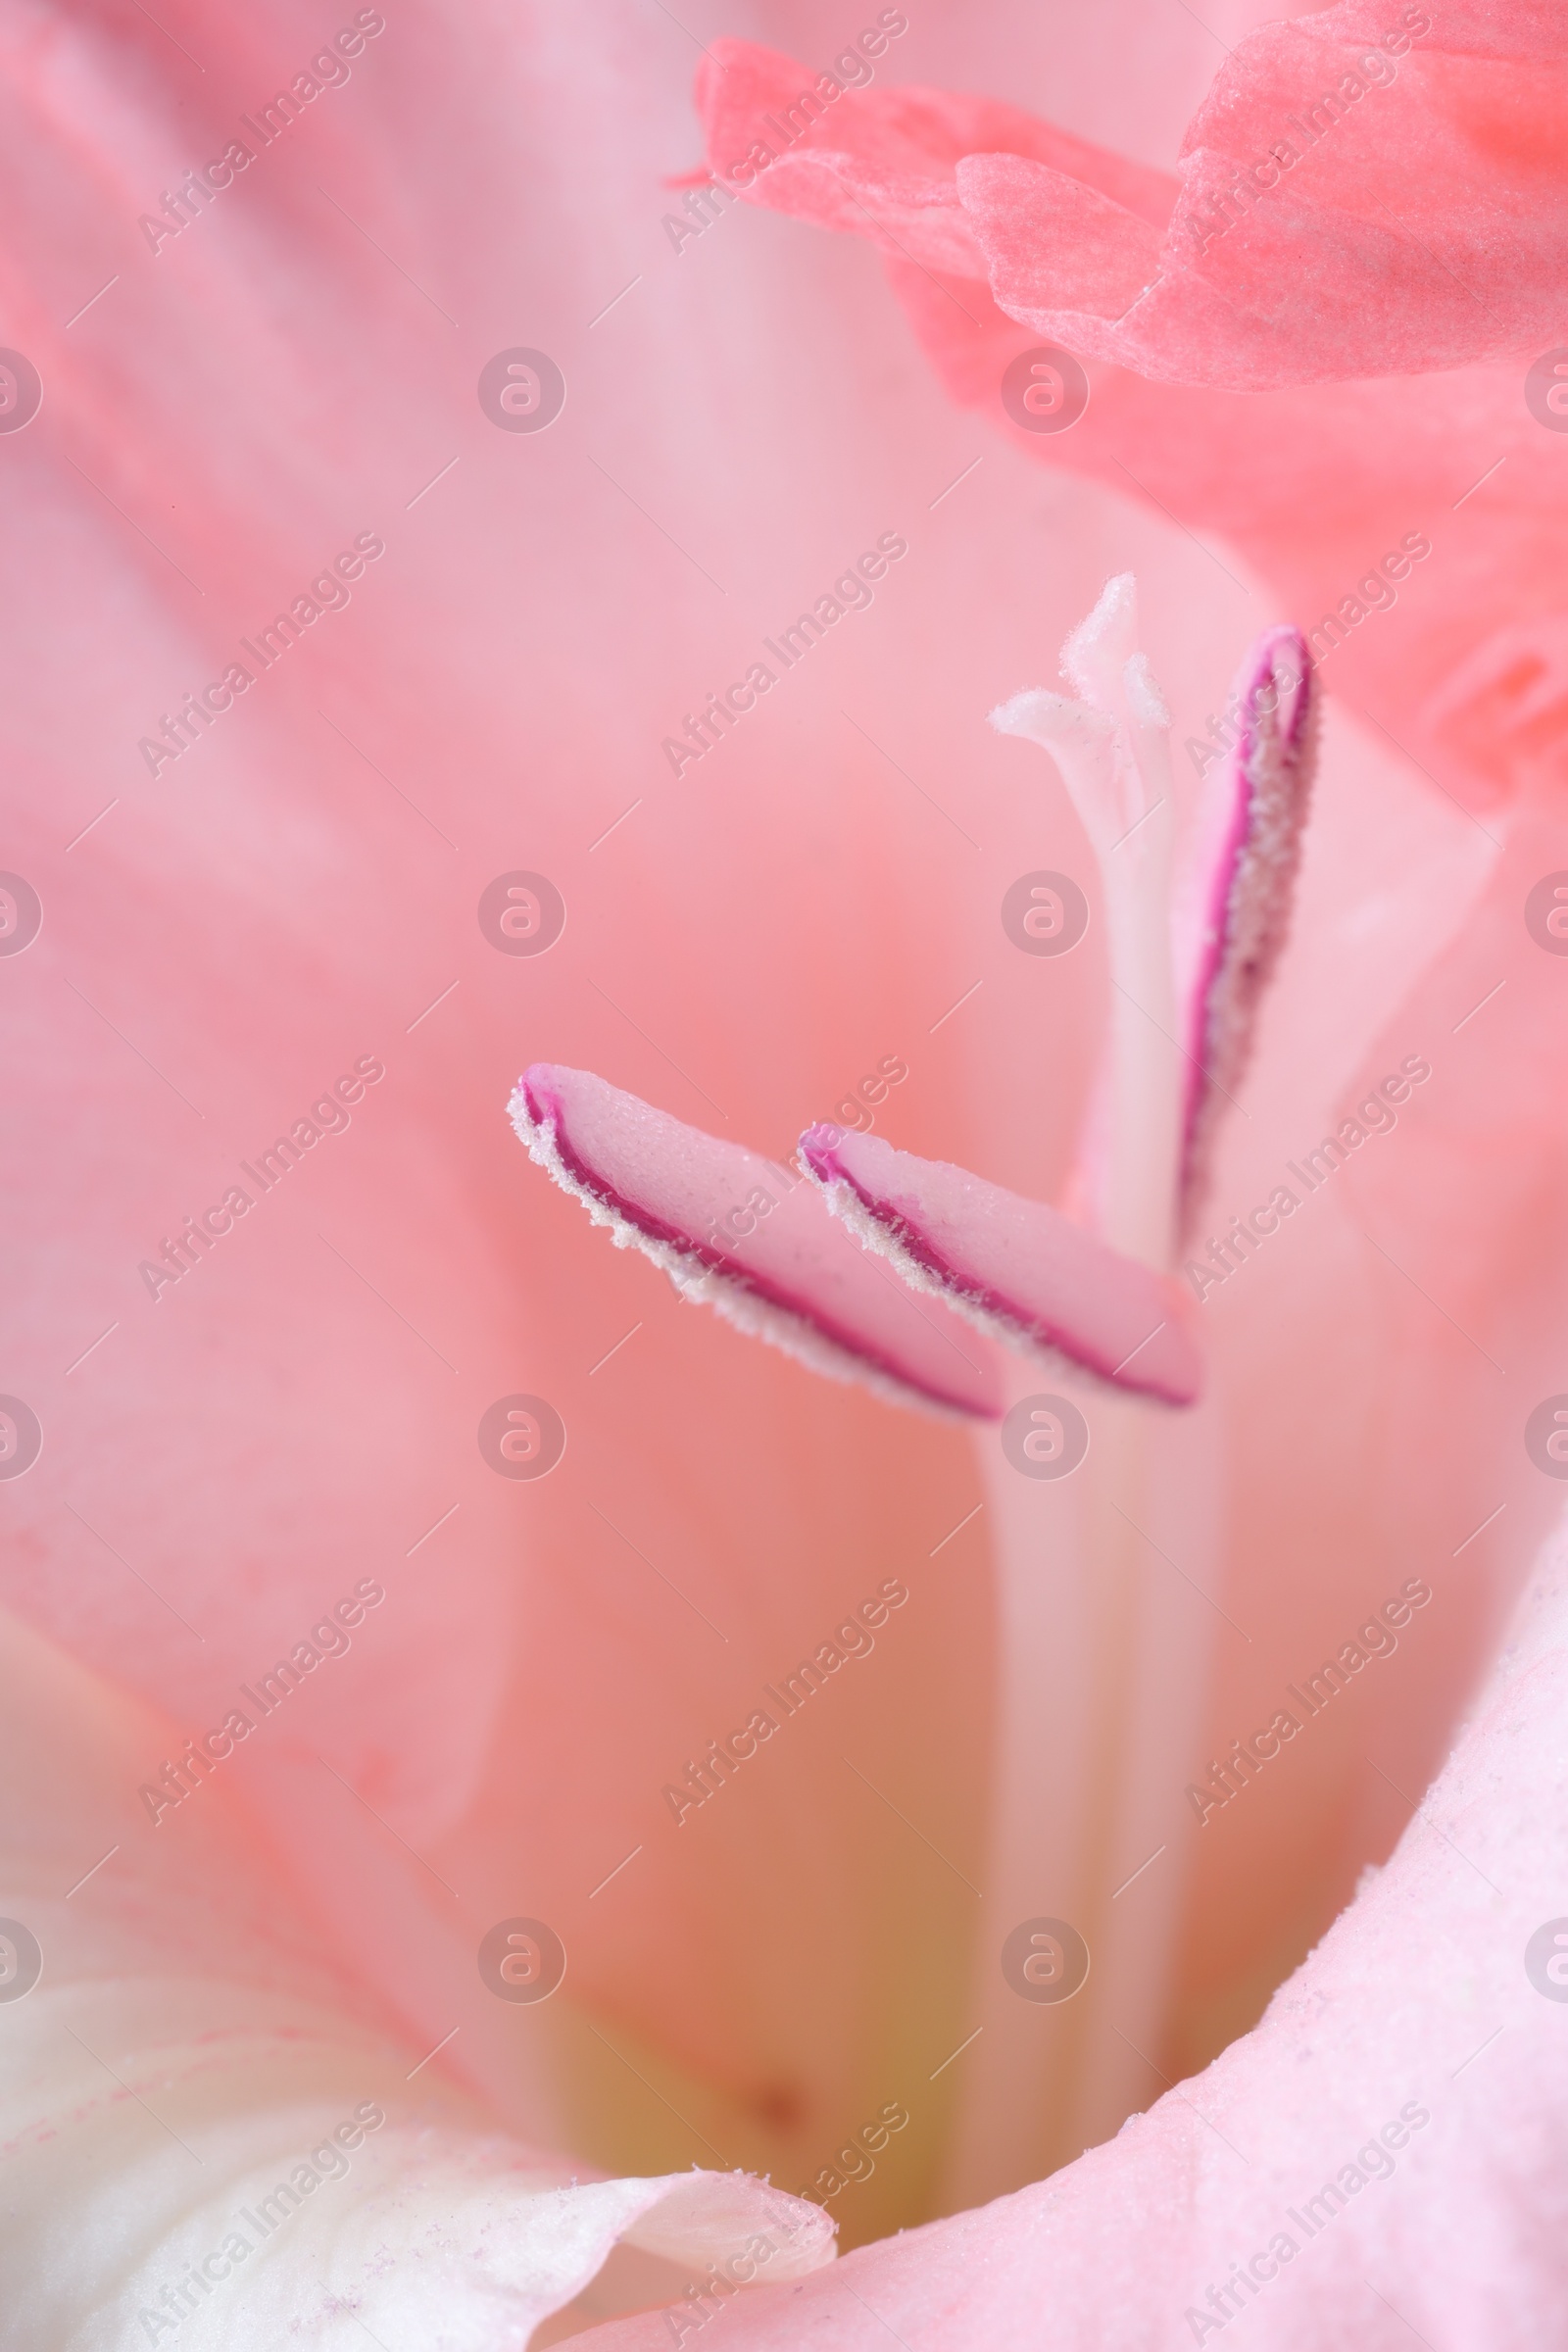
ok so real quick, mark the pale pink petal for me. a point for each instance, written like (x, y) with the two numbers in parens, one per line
(1232, 908)
(1012, 1267)
(287, 1419)
(1379, 2163)
(208, 2126)
(748, 1238)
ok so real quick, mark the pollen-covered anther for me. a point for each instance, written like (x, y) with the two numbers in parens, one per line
(1015, 1269)
(751, 1240)
(1233, 907)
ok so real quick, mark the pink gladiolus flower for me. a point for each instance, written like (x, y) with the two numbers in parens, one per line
(533, 1816)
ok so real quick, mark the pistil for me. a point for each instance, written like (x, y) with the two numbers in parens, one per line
(1111, 746)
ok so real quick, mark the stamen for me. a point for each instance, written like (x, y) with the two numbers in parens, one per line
(1012, 1267)
(751, 1239)
(1233, 913)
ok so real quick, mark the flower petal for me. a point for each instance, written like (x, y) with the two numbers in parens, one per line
(883, 162)
(1053, 247)
(1401, 2101)
(745, 1236)
(1420, 217)
(1319, 484)
(189, 2092)
(1011, 1266)
(1343, 208)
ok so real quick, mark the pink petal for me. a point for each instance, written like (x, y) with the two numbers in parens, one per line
(1233, 917)
(882, 161)
(1417, 224)
(1423, 229)
(1038, 228)
(1011, 1266)
(742, 1235)
(1320, 485)
(1382, 2153)
(185, 2049)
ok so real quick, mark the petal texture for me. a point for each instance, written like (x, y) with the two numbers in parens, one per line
(1419, 229)
(199, 2124)
(1355, 198)
(1379, 2159)
(885, 163)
